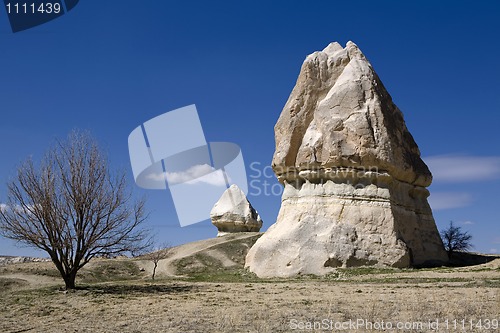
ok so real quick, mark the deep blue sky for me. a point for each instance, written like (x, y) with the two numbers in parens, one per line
(108, 66)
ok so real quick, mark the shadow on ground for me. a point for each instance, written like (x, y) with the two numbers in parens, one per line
(461, 259)
(127, 289)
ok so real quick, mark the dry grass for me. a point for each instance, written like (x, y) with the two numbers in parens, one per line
(115, 296)
(268, 306)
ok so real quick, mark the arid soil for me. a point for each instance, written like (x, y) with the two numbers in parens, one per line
(358, 300)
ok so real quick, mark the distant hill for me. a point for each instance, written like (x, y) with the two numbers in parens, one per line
(7, 260)
(209, 256)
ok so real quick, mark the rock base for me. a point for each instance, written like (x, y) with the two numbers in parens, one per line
(327, 225)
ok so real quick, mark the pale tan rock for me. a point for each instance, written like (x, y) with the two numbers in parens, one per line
(355, 185)
(339, 114)
(234, 213)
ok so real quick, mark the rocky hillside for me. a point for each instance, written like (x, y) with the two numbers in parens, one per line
(6, 260)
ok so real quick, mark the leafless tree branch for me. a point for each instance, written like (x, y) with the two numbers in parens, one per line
(72, 207)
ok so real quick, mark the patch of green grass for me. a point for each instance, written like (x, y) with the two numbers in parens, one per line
(492, 283)
(416, 280)
(45, 269)
(28, 296)
(237, 249)
(484, 269)
(360, 271)
(109, 270)
(51, 272)
(199, 263)
(440, 269)
(239, 275)
(100, 270)
(495, 283)
(204, 267)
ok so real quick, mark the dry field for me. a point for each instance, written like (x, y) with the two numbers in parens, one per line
(115, 296)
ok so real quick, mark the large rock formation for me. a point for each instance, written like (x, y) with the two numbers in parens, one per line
(234, 213)
(355, 185)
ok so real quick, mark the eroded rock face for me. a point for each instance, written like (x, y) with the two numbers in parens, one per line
(355, 185)
(234, 213)
(8, 260)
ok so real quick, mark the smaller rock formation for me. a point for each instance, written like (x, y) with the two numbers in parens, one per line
(234, 213)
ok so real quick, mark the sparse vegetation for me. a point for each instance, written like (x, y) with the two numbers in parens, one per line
(191, 306)
(206, 264)
(114, 295)
(105, 270)
(7, 284)
(155, 254)
(455, 240)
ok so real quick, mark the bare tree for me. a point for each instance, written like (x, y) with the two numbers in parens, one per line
(157, 253)
(454, 239)
(72, 207)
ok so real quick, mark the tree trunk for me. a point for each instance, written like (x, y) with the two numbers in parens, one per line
(68, 277)
(69, 280)
(154, 270)
(450, 254)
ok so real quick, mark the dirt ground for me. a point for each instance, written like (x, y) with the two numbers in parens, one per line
(437, 300)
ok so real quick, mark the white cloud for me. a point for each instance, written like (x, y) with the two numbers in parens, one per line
(157, 177)
(189, 175)
(468, 223)
(449, 200)
(463, 168)
(202, 173)
(493, 251)
(18, 208)
(214, 178)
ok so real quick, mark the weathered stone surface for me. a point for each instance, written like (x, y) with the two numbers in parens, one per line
(234, 213)
(8, 260)
(355, 185)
